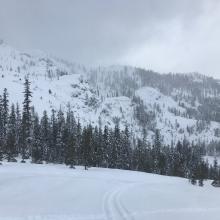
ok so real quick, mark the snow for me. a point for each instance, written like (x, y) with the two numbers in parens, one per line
(72, 88)
(55, 192)
(211, 159)
(174, 127)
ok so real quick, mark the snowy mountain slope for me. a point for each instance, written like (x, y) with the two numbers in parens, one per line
(185, 105)
(46, 192)
(108, 95)
(174, 127)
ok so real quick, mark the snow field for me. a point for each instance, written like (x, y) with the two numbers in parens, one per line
(54, 192)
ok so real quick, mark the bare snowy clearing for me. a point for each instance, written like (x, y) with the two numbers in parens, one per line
(46, 192)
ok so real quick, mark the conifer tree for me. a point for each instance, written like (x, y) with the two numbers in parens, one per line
(53, 137)
(11, 136)
(157, 151)
(60, 142)
(117, 147)
(125, 150)
(26, 121)
(215, 169)
(70, 156)
(5, 113)
(86, 146)
(1, 129)
(106, 147)
(45, 136)
(100, 151)
(5, 108)
(37, 148)
(18, 129)
(70, 139)
(79, 152)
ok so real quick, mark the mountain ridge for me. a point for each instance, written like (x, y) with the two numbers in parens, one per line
(179, 105)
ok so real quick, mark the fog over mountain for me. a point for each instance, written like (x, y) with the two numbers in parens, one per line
(166, 36)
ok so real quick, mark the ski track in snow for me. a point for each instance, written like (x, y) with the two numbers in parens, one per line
(115, 210)
(58, 217)
(173, 211)
(113, 207)
(100, 194)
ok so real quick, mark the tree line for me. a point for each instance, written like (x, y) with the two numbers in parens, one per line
(60, 138)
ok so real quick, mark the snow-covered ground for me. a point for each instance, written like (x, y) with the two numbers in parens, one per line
(211, 159)
(54, 192)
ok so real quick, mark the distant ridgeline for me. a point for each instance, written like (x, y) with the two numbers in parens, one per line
(198, 94)
(61, 139)
(182, 105)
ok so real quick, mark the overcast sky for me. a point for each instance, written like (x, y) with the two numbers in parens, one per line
(163, 35)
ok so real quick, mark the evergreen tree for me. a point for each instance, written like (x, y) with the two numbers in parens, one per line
(126, 150)
(139, 156)
(1, 129)
(215, 169)
(11, 136)
(95, 148)
(4, 118)
(26, 121)
(37, 147)
(45, 136)
(60, 142)
(79, 151)
(18, 129)
(5, 109)
(53, 138)
(157, 151)
(86, 146)
(70, 157)
(100, 148)
(106, 147)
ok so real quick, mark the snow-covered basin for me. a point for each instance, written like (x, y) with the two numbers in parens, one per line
(55, 192)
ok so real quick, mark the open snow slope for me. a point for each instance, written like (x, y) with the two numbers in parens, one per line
(54, 192)
(173, 127)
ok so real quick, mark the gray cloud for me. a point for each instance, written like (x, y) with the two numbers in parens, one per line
(167, 36)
